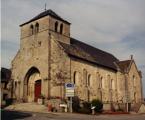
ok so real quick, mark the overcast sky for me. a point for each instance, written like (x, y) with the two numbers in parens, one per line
(116, 26)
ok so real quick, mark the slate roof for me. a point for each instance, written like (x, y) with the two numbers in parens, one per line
(46, 13)
(124, 65)
(86, 52)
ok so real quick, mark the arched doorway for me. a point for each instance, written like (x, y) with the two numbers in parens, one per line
(32, 85)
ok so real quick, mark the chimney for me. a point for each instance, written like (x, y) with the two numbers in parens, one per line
(131, 57)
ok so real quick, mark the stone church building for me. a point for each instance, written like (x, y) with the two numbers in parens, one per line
(49, 57)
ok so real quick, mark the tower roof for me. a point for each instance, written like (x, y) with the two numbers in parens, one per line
(46, 13)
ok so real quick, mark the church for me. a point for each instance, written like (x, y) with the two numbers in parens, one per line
(49, 57)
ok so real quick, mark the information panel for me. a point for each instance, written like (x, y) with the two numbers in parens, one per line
(69, 90)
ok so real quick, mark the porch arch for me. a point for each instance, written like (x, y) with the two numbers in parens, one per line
(31, 77)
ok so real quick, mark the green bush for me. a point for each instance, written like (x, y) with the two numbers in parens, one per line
(98, 105)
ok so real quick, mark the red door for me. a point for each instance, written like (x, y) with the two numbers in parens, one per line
(37, 89)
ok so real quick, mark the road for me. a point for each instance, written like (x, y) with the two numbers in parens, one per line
(17, 115)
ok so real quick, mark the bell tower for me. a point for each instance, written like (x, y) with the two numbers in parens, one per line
(46, 21)
(35, 44)
(59, 28)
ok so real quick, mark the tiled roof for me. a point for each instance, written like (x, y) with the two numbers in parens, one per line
(91, 54)
(123, 65)
(46, 13)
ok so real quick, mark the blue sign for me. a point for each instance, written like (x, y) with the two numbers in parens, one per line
(69, 85)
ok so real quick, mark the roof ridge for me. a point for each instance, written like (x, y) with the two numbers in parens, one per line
(46, 13)
(54, 13)
(124, 60)
(93, 47)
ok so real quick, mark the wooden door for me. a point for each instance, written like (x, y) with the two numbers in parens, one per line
(37, 89)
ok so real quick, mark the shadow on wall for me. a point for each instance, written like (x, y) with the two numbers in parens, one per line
(13, 115)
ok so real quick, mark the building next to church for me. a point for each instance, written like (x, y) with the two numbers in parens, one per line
(6, 87)
(49, 57)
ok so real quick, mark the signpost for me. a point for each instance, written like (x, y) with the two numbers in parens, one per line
(69, 92)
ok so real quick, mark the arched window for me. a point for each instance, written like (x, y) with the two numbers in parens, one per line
(103, 82)
(112, 84)
(61, 28)
(76, 78)
(85, 77)
(133, 78)
(100, 83)
(89, 80)
(31, 30)
(108, 82)
(97, 79)
(56, 26)
(36, 28)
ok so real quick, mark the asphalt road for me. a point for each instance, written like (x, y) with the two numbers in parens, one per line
(17, 115)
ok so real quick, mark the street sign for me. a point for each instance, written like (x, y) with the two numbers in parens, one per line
(69, 90)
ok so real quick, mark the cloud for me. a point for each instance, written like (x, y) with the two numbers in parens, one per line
(116, 26)
(8, 52)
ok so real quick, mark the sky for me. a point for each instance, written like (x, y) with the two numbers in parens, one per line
(115, 26)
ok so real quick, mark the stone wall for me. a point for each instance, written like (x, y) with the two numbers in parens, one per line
(134, 84)
(91, 91)
(60, 68)
(33, 52)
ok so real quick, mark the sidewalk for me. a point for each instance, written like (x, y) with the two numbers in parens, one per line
(31, 107)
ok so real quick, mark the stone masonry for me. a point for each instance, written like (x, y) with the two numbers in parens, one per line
(48, 53)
